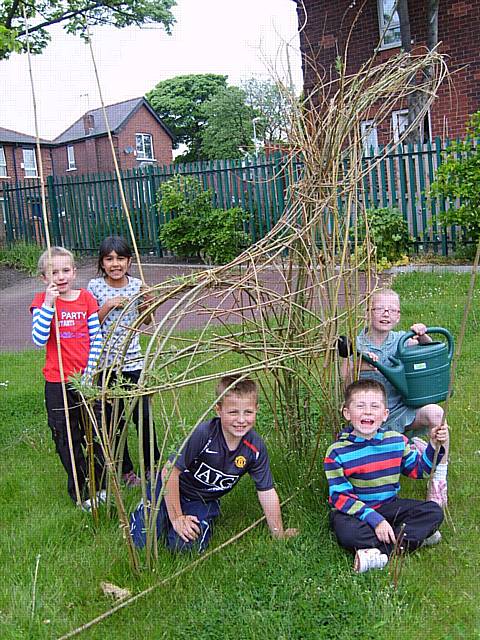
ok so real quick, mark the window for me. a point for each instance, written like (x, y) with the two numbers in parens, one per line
(389, 23)
(399, 123)
(30, 163)
(144, 145)
(70, 158)
(3, 164)
(369, 137)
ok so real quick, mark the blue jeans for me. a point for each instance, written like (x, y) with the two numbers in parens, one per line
(206, 512)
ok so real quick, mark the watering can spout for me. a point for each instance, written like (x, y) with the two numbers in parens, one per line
(395, 374)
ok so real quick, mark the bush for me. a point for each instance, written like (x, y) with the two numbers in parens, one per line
(459, 177)
(223, 238)
(389, 233)
(22, 255)
(181, 235)
(196, 229)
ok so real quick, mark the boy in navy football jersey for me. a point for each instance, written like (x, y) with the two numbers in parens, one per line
(216, 455)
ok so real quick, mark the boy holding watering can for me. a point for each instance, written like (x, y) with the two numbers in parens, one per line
(378, 341)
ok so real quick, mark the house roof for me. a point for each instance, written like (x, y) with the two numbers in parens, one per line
(117, 114)
(15, 137)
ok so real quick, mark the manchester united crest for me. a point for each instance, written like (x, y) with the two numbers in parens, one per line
(240, 462)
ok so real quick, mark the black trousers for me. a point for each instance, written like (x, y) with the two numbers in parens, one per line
(127, 464)
(58, 424)
(421, 519)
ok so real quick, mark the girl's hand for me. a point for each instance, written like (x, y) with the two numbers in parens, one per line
(51, 294)
(419, 328)
(366, 366)
(439, 435)
(118, 302)
(147, 297)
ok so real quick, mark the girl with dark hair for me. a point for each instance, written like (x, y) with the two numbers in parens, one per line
(114, 290)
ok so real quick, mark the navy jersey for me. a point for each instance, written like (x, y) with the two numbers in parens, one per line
(210, 470)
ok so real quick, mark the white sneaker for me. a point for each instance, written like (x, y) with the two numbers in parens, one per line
(366, 559)
(101, 499)
(433, 539)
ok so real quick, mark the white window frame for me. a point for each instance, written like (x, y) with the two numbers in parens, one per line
(398, 130)
(387, 26)
(29, 167)
(140, 146)
(71, 166)
(369, 132)
(399, 123)
(3, 164)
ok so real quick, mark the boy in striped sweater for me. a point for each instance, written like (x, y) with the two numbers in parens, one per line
(80, 345)
(363, 470)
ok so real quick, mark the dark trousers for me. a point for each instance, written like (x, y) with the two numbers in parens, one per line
(127, 464)
(206, 512)
(421, 519)
(58, 424)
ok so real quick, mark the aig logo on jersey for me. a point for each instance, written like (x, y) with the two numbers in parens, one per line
(240, 462)
(214, 478)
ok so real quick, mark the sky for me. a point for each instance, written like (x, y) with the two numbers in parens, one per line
(238, 39)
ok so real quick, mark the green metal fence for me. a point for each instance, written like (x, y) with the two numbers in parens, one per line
(84, 209)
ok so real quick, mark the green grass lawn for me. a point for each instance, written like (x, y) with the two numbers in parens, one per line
(256, 588)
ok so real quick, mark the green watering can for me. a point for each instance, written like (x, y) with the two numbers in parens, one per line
(421, 373)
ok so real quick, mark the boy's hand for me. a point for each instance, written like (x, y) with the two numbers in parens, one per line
(439, 435)
(385, 533)
(187, 527)
(286, 533)
(51, 294)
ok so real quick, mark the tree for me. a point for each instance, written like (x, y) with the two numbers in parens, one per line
(179, 103)
(272, 104)
(73, 14)
(418, 99)
(458, 178)
(229, 130)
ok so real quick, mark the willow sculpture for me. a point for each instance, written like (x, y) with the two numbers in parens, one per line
(280, 306)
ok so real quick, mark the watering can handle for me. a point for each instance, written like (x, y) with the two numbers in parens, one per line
(410, 334)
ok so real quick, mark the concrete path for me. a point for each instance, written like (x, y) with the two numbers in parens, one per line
(15, 318)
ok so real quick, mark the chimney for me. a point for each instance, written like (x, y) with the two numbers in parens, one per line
(88, 123)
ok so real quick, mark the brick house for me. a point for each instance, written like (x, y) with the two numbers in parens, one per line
(326, 28)
(18, 158)
(18, 161)
(139, 137)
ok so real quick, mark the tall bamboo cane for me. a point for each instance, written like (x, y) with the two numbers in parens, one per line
(49, 269)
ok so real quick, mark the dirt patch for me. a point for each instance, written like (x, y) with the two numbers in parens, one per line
(10, 276)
